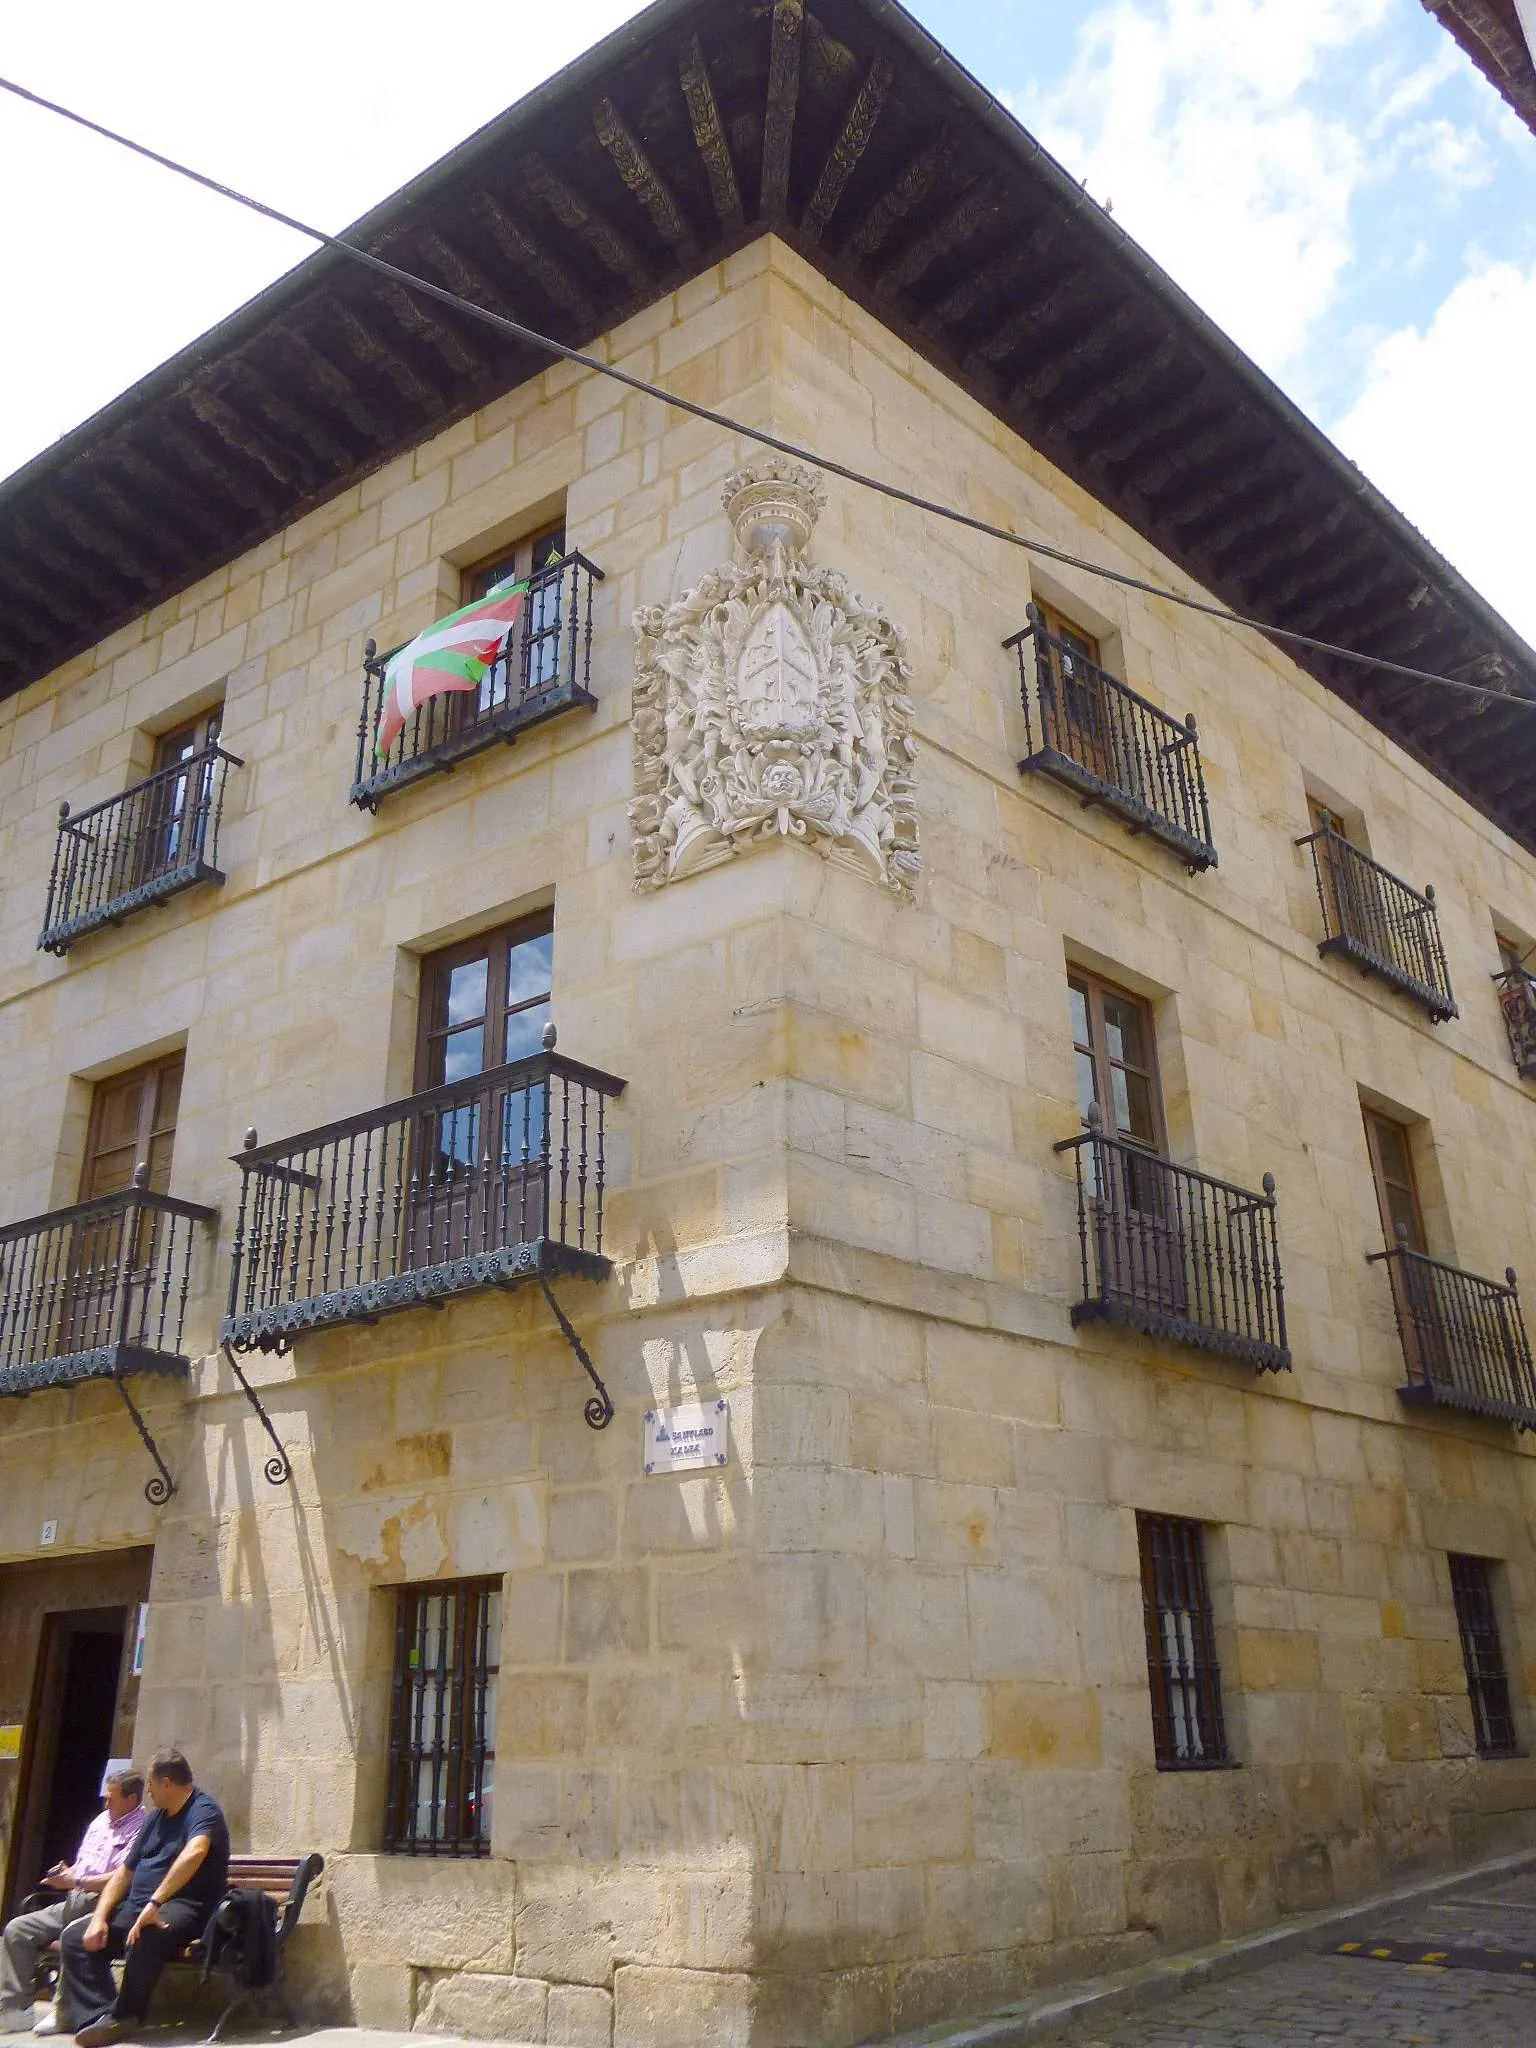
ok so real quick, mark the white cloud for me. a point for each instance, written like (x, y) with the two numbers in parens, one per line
(1192, 117)
(1446, 426)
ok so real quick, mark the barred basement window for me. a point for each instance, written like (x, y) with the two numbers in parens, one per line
(443, 1719)
(1483, 1655)
(1188, 1731)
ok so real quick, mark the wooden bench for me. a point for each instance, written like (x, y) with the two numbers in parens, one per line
(286, 1881)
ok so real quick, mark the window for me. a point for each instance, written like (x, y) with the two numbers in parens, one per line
(1483, 1654)
(1115, 1047)
(442, 1740)
(1187, 1726)
(486, 1001)
(1397, 1188)
(1514, 954)
(177, 809)
(133, 1118)
(480, 1171)
(532, 660)
(1072, 636)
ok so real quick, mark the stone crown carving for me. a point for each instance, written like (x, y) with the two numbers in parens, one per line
(771, 703)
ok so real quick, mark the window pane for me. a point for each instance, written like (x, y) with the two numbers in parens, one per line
(1133, 1107)
(1087, 1089)
(1081, 1034)
(466, 991)
(464, 1053)
(1405, 1221)
(1123, 1031)
(530, 968)
(525, 1031)
(1392, 1148)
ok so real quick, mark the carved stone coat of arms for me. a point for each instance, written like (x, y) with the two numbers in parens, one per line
(771, 702)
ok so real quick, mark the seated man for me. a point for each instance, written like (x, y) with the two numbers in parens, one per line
(106, 1842)
(156, 1901)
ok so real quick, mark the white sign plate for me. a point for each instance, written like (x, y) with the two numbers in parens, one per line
(686, 1438)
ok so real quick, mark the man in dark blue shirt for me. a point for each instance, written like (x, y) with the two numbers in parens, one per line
(157, 1901)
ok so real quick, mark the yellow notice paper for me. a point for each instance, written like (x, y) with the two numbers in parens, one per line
(10, 1741)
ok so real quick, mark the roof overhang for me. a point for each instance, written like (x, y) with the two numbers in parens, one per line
(845, 128)
(1500, 38)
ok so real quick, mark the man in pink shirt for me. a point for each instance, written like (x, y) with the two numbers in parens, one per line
(106, 1842)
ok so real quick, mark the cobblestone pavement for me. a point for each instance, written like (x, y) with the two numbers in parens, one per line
(1347, 1999)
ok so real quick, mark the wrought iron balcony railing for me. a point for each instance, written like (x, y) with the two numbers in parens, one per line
(136, 849)
(1178, 1254)
(486, 1182)
(1517, 999)
(1463, 1338)
(1089, 731)
(99, 1291)
(546, 669)
(1380, 923)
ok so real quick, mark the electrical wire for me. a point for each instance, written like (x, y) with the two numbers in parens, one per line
(895, 492)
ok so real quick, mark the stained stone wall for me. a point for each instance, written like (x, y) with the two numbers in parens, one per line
(855, 1732)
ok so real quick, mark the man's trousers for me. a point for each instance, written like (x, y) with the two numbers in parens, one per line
(24, 1940)
(88, 1988)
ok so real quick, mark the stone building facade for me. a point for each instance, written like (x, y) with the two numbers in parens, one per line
(857, 1728)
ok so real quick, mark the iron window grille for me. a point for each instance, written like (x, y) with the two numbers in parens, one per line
(546, 670)
(490, 1181)
(1482, 1652)
(1176, 1253)
(1517, 1000)
(1463, 1337)
(1380, 923)
(1188, 1728)
(136, 849)
(1090, 732)
(442, 1741)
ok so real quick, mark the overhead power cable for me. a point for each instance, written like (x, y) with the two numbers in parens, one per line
(895, 492)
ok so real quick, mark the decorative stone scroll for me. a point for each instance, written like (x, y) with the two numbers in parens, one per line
(771, 702)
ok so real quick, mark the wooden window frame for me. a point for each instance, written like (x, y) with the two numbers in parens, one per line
(496, 946)
(1061, 626)
(459, 1749)
(149, 1126)
(1094, 987)
(1482, 1655)
(188, 738)
(1375, 1121)
(516, 558)
(1189, 1730)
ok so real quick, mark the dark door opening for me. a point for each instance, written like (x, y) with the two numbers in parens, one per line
(74, 1713)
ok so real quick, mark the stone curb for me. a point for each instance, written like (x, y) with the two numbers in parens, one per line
(1153, 1984)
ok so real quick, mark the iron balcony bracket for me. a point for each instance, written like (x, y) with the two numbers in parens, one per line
(599, 1406)
(157, 1491)
(278, 1469)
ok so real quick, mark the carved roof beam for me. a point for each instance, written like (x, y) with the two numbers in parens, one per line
(709, 136)
(272, 403)
(973, 211)
(617, 254)
(46, 605)
(413, 316)
(1053, 301)
(904, 192)
(522, 251)
(828, 63)
(367, 348)
(1074, 354)
(1146, 442)
(238, 434)
(642, 178)
(1352, 582)
(169, 513)
(338, 387)
(1292, 570)
(1002, 280)
(65, 553)
(779, 108)
(208, 510)
(852, 141)
(1123, 386)
(1243, 480)
(462, 275)
(125, 550)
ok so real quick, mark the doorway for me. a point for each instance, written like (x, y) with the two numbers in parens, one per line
(72, 1687)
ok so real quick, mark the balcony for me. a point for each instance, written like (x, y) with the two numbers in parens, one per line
(140, 848)
(1385, 927)
(486, 1182)
(1517, 999)
(99, 1292)
(1174, 1253)
(1088, 731)
(1463, 1338)
(547, 669)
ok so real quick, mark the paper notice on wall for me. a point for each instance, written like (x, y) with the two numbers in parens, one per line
(686, 1438)
(10, 1741)
(136, 1667)
(114, 1763)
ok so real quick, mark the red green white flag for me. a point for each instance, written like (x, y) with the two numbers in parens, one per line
(452, 654)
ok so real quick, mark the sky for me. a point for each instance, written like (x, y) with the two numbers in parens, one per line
(1331, 180)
